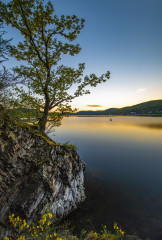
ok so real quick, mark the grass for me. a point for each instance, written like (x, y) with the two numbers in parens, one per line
(33, 129)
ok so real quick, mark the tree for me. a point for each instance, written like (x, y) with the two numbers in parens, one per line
(4, 45)
(8, 79)
(46, 39)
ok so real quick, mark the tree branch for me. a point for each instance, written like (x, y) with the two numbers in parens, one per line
(30, 34)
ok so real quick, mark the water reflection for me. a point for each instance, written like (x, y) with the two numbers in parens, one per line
(155, 126)
(123, 176)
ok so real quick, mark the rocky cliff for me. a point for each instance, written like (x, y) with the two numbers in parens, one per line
(36, 174)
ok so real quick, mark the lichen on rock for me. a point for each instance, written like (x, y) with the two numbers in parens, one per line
(36, 175)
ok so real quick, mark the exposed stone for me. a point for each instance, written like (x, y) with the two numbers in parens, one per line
(36, 176)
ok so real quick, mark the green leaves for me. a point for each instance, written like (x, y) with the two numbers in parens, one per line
(46, 39)
(4, 46)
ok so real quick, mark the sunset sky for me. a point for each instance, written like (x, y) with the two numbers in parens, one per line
(122, 36)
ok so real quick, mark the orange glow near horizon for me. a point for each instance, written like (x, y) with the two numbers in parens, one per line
(105, 97)
(102, 108)
(138, 128)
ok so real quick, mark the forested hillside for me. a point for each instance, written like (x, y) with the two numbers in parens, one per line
(146, 108)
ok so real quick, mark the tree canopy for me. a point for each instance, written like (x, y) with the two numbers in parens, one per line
(8, 79)
(4, 44)
(46, 39)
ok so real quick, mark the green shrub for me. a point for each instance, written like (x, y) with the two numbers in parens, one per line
(45, 229)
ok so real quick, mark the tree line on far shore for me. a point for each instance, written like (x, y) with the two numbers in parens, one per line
(153, 107)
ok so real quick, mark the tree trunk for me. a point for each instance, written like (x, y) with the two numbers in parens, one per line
(43, 120)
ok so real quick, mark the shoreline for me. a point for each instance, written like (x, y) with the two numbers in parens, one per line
(137, 115)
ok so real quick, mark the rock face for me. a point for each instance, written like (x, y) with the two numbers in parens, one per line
(36, 175)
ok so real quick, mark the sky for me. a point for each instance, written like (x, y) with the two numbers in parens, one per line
(122, 36)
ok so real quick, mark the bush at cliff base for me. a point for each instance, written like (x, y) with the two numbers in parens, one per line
(45, 229)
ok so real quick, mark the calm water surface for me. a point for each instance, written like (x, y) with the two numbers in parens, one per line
(123, 178)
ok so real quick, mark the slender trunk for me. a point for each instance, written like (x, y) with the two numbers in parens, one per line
(43, 119)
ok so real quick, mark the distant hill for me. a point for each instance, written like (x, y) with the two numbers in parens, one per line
(101, 112)
(147, 108)
(151, 107)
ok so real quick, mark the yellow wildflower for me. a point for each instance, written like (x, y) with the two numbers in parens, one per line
(50, 215)
(21, 227)
(115, 226)
(122, 232)
(95, 234)
(42, 228)
(21, 238)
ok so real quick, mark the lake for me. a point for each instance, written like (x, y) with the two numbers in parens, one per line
(123, 177)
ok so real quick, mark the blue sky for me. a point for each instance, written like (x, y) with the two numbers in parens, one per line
(124, 37)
